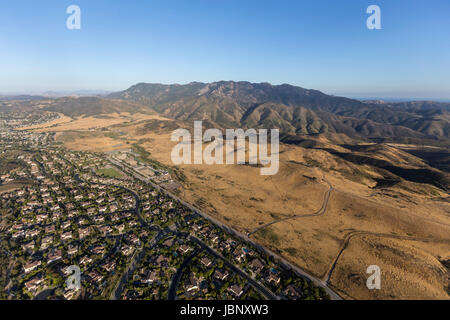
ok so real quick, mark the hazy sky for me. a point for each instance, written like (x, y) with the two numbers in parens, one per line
(316, 44)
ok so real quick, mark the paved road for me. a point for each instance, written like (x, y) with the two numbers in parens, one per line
(115, 294)
(258, 286)
(117, 291)
(44, 294)
(333, 295)
(177, 276)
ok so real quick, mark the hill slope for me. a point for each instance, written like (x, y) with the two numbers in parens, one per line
(294, 110)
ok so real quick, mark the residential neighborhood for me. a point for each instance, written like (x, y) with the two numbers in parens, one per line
(112, 218)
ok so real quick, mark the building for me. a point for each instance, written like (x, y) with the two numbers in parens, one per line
(31, 266)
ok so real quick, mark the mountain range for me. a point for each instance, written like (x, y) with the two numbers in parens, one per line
(294, 110)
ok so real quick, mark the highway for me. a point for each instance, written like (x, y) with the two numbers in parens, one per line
(258, 286)
(318, 282)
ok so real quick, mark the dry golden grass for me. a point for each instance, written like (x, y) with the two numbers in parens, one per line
(317, 240)
(409, 270)
(91, 123)
(90, 141)
(62, 120)
(239, 196)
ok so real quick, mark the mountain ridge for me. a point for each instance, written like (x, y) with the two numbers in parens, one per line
(292, 109)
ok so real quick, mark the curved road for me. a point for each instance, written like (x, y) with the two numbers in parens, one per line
(255, 284)
(177, 276)
(333, 295)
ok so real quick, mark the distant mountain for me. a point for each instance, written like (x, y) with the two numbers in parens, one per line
(90, 106)
(294, 110)
(54, 94)
(76, 93)
(22, 97)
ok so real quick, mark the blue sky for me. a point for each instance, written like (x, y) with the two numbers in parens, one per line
(317, 44)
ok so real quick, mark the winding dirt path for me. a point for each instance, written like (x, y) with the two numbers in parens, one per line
(319, 212)
(354, 234)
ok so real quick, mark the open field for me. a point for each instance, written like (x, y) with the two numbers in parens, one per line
(109, 172)
(62, 120)
(89, 141)
(65, 123)
(403, 228)
(409, 269)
